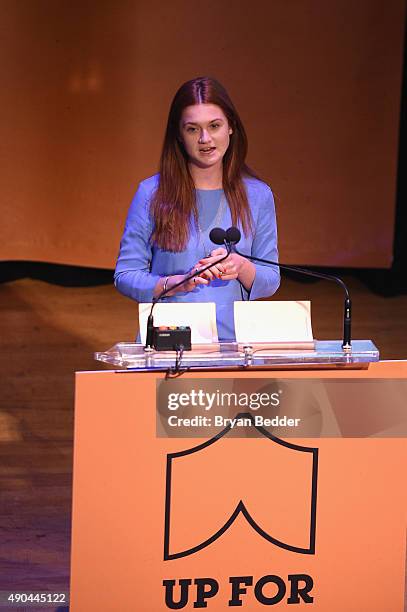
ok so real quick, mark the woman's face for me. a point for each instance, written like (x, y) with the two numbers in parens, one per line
(205, 133)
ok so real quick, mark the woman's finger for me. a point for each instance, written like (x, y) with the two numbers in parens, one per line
(229, 276)
(213, 272)
(220, 251)
(209, 274)
(207, 261)
(197, 280)
(213, 257)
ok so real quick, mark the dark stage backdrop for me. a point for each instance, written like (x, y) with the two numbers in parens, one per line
(86, 87)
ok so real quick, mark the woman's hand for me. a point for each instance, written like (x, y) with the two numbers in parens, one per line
(233, 267)
(218, 270)
(188, 285)
(229, 269)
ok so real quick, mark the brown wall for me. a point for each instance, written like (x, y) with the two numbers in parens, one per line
(86, 87)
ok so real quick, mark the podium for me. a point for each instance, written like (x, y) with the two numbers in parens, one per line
(219, 516)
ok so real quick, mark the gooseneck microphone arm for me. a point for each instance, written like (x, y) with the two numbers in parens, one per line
(233, 236)
(217, 236)
(347, 317)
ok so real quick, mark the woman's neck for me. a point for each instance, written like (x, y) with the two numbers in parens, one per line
(207, 178)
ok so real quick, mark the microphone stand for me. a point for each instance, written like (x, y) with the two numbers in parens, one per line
(150, 320)
(347, 316)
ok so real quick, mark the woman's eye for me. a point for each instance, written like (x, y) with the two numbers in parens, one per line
(215, 125)
(191, 129)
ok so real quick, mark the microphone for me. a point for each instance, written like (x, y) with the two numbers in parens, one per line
(229, 237)
(217, 236)
(233, 236)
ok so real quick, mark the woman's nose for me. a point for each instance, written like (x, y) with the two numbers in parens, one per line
(204, 136)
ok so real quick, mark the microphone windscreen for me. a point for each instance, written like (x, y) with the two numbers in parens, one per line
(217, 235)
(233, 235)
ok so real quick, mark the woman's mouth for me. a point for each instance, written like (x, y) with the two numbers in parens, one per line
(207, 150)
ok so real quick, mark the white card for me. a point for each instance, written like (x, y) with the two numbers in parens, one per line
(273, 322)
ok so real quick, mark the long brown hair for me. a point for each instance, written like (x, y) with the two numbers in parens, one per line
(173, 204)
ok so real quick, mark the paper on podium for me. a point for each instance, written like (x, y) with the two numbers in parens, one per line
(280, 323)
(200, 316)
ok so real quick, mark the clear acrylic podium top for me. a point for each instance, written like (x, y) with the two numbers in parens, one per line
(233, 356)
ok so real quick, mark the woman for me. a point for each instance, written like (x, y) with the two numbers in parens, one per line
(203, 183)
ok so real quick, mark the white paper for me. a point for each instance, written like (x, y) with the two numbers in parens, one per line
(268, 322)
(199, 316)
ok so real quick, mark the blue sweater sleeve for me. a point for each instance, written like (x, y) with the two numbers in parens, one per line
(132, 276)
(267, 278)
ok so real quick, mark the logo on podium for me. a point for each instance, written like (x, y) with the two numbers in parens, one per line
(259, 487)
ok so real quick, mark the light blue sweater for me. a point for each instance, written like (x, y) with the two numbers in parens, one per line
(140, 264)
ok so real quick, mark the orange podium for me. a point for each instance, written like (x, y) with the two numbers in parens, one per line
(300, 503)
